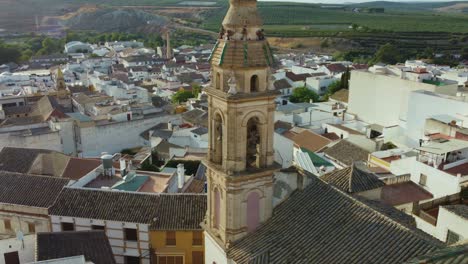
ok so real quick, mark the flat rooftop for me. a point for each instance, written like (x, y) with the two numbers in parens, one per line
(402, 193)
(441, 146)
(153, 182)
(461, 169)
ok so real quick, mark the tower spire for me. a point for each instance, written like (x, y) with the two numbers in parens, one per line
(241, 101)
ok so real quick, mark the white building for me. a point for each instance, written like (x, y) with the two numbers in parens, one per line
(14, 249)
(381, 95)
(445, 219)
(424, 105)
(126, 217)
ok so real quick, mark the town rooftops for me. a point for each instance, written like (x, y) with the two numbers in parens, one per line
(45, 162)
(19, 159)
(353, 179)
(281, 84)
(455, 254)
(29, 190)
(161, 211)
(311, 141)
(442, 146)
(332, 136)
(336, 67)
(458, 209)
(330, 226)
(346, 153)
(404, 192)
(297, 77)
(93, 245)
(200, 131)
(341, 96)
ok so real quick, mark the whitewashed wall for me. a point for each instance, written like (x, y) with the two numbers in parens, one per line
(25, 251)
(382, 99)
(115, 233)
(213, 252)
(112, 138)
(424, 106)
(439, 183)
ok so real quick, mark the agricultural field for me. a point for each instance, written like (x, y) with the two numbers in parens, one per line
(297, 20)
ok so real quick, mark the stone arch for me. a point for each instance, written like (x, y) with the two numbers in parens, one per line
(254, 83)
(254, 142)
(253, 211)
(217, 137)
(261, 117)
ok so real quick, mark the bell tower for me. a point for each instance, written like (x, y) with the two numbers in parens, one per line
(240, 162)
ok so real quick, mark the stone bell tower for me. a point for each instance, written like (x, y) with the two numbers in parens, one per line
(240, 162)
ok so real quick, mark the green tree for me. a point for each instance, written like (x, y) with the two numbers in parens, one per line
(181, 96)
(324, 44)
(388, 54)
(335, 87)
(303, 95)
(9, 54)
(428, 53)
(344, 83)
(196, 89)
(464, 53)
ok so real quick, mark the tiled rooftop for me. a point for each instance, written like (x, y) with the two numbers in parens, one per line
(402, 193)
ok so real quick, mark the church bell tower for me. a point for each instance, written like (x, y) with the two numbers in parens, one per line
(240, 162)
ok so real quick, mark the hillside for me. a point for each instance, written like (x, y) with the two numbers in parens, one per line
(412, 6)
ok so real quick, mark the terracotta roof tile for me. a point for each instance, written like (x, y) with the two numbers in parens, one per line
(29, 190)
(93, 245)
(353, 179)
(162, 211)
(311, 141)
(321, 224)
(346, 153)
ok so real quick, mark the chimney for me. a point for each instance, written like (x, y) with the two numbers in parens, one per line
(180, 175)
(123, 167)
(169, 126)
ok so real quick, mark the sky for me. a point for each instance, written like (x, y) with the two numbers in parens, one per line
(351, 1)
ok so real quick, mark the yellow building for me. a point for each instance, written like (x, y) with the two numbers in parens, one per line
(176, 235)
(178, 247)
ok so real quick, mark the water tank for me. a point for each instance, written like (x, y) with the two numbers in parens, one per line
(107, 163)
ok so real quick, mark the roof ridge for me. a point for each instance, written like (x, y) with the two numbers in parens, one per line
(130, 192)
(32, 175)
(350, 189)
(398, 224)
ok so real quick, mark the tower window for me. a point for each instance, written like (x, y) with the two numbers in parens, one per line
(253, 211)
(218, 139)
(254, 83)
(253, 155)
(218, 81)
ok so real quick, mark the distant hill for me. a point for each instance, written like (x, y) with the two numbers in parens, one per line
(450, 6)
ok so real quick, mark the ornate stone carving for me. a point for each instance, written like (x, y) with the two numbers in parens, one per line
(232, 83)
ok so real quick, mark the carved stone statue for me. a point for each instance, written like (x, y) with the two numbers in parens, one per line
(221, 32)
(232, 83)
(218, 151)
(271, 80)
(229, 34)
(253, 147)
(257, 156)
(244, 33)
(260, 34)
